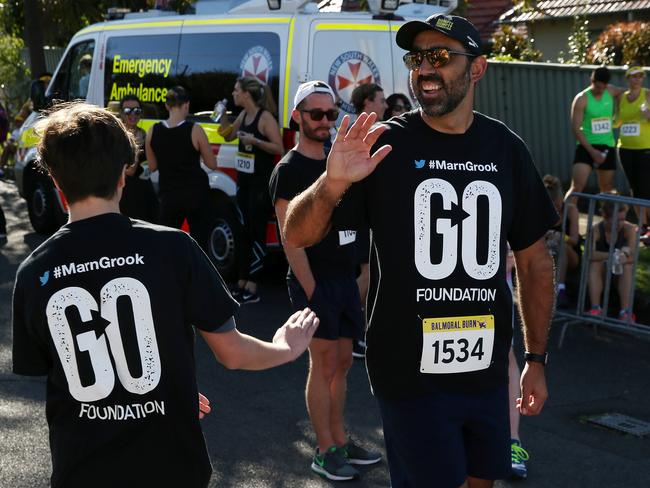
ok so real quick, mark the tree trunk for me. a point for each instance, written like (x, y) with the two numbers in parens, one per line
(34, 37)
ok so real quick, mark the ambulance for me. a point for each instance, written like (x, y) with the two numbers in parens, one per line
(147, 53)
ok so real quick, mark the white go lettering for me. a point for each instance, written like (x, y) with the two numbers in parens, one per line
(449, 232)
(97, 347)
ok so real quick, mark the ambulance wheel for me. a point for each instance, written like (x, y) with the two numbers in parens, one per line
(41, 205)
(224, 247)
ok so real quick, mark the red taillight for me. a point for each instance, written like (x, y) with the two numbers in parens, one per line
(289, 139)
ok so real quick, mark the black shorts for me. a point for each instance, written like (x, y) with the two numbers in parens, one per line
(636, 164)
(337, 304)
(439, 439)
(582, 156)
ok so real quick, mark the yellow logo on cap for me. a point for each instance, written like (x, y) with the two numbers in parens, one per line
(444, 23)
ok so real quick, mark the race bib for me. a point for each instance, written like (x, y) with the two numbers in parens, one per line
(631, 129)
(457, 344)
(245, 162)
(602, 125)
(347, 237)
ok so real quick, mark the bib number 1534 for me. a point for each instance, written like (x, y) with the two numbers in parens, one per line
(457, 344)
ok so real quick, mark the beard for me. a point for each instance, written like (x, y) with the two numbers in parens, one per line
(319, 134)
(453, 93)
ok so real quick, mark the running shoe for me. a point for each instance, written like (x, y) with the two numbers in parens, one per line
(625, 314)
(249, 297)
(333, 465)
(595, 311)
(355, 454)
(359, 349)
(518, 456)
(645, 238)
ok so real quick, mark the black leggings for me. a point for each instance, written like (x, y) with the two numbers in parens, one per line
(636, 164)
(194, 206)
(254, 203)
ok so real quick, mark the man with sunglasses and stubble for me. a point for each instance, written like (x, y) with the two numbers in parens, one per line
(454, 187)
(322, 276)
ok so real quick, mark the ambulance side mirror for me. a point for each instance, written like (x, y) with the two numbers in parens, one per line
(274, 4)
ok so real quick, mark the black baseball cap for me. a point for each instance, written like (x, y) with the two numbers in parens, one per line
(458, 28)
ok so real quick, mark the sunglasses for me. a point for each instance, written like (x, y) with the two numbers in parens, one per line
(132, 110)
(437, 57)
(317, 114)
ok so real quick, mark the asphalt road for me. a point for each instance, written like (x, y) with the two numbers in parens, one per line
(259, 435)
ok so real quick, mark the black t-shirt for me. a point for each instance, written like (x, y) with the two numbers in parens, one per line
(105, 309)
(442, 208)
(179, 162)
(334, 256)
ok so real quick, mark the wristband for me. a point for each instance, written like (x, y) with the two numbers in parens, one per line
(567, 237)
(536, 358)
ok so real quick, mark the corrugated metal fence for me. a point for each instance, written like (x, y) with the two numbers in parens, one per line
(534, 100)
(52, 56)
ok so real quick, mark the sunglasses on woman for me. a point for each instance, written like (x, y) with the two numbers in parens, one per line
(437, 57)
(132, 110)
(317, 114)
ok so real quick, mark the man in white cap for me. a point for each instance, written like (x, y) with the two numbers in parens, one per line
(453, 189)
(323, 276)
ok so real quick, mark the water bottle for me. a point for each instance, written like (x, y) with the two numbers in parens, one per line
(617, 262)
(219, 110)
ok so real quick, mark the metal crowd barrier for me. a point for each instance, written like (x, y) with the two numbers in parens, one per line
(579, 314)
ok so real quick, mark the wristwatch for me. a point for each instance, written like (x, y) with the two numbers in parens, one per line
(536, 358)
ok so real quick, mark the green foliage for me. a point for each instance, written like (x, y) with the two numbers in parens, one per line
(579, 41)
(512, 45)
(643, 272)
(14, 74)
(622, 43)
(61, 19)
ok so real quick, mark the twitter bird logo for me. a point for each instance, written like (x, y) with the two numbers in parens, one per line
(419, 164)
(45, 278)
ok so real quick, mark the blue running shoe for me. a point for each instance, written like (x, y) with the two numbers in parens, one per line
(518, 457)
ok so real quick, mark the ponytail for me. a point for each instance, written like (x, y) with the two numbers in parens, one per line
(259, 92)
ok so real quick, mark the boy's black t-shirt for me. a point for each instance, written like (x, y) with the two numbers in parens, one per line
(105, 309)
(335, 255)
(442, 208)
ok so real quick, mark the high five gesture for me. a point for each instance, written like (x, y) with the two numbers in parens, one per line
(308, 215)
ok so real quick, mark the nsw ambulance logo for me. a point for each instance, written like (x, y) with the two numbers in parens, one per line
(349, 70)
(257, 62)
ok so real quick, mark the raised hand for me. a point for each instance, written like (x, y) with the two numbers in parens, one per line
(349, 159)
(297, 332)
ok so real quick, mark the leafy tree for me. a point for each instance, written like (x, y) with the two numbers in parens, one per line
(579, 41)
(509, 44)
(622, 43)
(66, 17)
(13, 73)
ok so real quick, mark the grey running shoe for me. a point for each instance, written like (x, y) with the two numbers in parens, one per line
(333, 465)
(355, 454)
